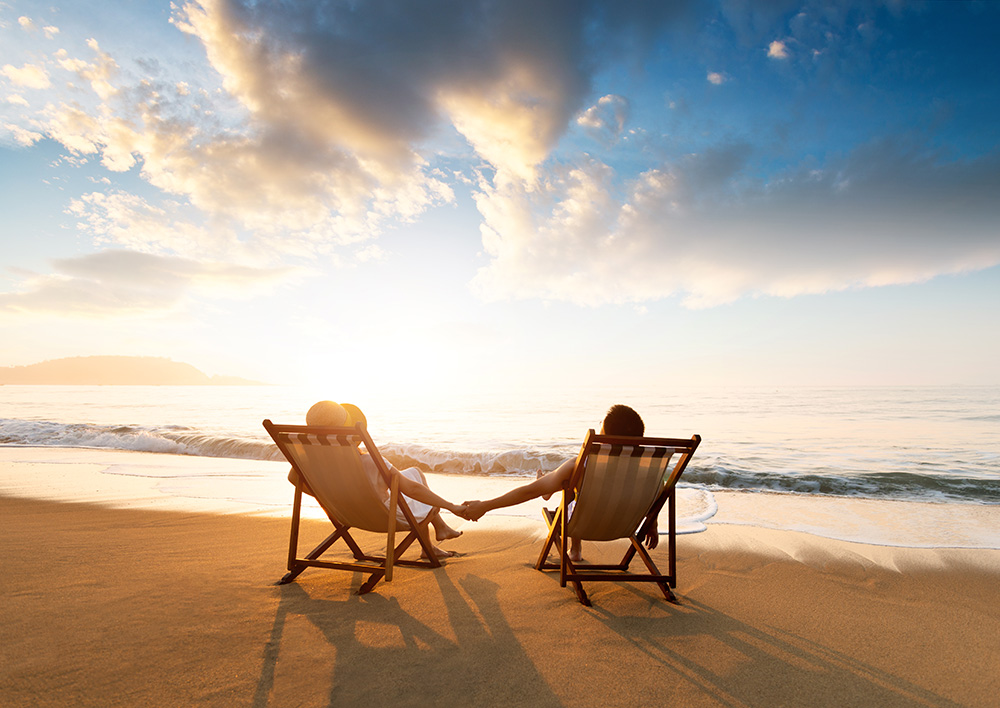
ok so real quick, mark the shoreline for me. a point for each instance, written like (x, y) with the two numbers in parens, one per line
(118, 607)
(128, 479)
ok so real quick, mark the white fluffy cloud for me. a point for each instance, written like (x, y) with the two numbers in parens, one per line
(885, 215)
(322, 128)
(28, 76)
(606, 119)
(319, 137)
(23, 136)
(319, 127)
(123, 283)
(777, 50)
(116, 219)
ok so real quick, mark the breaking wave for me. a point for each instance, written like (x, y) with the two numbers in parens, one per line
(881, 478)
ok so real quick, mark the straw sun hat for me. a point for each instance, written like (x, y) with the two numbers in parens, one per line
(335, 415)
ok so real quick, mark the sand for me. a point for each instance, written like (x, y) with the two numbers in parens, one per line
(120, 607)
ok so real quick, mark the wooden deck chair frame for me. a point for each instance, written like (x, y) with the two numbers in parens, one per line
(378, 567)
(577, 574)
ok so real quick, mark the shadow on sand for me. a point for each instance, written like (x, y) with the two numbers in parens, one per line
(378, 651)
(695, 640)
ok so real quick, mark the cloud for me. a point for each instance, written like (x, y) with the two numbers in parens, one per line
(328, 111)
(606, 119)
(777, 50)
(78, 130)
(28, 76)
(322, 124)
(327, 108)
(126, 283)
(98, 74)
(700, 230)
(285, 155)
(266, 176)
(117, 219)
(377, 78)
(22, 136)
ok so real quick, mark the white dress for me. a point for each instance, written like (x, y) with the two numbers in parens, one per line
(419, 509)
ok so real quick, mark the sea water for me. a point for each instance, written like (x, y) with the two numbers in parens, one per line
(913, 444)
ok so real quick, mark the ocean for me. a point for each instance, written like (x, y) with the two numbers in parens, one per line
(911, 444)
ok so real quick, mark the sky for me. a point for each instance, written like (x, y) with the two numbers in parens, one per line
(455, 195)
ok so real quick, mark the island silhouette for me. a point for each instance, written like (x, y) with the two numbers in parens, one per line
(116, 370)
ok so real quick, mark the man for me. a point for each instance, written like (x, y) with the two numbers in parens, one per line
(620, 420)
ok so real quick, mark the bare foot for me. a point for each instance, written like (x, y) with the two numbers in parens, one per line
(575, 550)
(574, 555)
(446, 532)
(439, 553)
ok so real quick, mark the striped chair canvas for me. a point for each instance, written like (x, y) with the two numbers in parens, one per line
(617, 490)
(329, 461)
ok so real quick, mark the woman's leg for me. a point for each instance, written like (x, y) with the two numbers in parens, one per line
(442, 531)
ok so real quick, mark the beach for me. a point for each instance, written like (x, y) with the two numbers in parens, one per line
(111, 603)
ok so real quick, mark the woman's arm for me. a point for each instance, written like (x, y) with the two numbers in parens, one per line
(415, 490)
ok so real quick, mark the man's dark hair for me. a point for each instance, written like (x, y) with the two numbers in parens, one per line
(622, 420)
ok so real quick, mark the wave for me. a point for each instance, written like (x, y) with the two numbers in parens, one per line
(908, 486)
(515, 463)
(712, 472)
(174, 440)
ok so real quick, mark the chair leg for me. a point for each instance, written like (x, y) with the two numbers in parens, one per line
(293, 537)
(370, 584)
(581, 594)
(564, 562)
(403, 545)
(295, 568)
(390, 537)
(672, 536)
(423, 536)
(651, 567)
(553, 519)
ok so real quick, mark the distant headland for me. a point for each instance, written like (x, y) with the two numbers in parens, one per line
(115, 371)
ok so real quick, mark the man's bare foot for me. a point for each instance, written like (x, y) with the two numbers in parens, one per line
(446, 532)
(575, 550)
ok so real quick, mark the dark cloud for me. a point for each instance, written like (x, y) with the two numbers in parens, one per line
(378, 77)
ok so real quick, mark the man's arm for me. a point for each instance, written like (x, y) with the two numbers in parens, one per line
(546, 484)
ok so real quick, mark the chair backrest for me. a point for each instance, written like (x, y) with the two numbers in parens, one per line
(618, 479)
(330, 462)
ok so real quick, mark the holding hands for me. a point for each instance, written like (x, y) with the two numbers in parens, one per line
(473, 510)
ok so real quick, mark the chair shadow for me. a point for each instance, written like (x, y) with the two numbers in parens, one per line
(483, 655)
(787, 668)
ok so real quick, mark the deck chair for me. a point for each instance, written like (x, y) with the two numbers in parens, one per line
(616, 490)
(329, 462)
